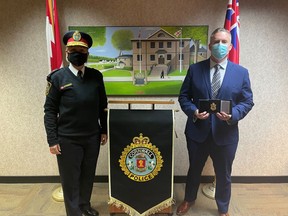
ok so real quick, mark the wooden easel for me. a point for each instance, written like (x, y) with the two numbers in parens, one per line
(129, 102)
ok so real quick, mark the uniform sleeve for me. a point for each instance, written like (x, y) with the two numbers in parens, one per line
(51, 110)
(103, 107)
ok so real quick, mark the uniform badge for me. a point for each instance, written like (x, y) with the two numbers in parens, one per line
(48, 87)
(213, 106)
(141, 161)
(76, 36)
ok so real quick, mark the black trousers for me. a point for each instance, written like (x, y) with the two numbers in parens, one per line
(77, 165)
(222, 157)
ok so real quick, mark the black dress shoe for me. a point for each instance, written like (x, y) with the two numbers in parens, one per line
(90, 212)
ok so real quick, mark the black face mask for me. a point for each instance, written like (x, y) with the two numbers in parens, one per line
(77, 58)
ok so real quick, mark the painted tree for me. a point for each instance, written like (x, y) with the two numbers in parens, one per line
(121, 40)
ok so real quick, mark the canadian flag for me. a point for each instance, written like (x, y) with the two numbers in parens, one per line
(53, 36)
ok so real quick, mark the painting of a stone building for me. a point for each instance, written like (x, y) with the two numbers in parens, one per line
(159, 52)
(151, 60)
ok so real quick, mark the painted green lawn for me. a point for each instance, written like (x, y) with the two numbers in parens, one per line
(117, 73)
(178, 73)
(152, 88)
(102, 66)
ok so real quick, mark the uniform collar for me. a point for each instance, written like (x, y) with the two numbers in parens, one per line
(75, 71)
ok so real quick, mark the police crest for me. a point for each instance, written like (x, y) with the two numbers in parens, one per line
(141, 161)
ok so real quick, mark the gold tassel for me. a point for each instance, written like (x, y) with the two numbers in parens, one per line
(132, 212)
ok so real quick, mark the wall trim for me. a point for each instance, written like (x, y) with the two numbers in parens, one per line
(177, 179)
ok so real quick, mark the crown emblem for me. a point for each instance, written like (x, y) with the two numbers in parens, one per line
(141, 140)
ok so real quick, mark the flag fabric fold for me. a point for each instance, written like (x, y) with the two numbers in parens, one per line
(53, 36)
(232, 24)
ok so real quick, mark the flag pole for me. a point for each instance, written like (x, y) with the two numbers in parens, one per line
(54, 58)
(140, 51)
(209, 189)
(181, 50)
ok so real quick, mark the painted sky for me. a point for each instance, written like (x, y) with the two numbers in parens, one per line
(109, 51)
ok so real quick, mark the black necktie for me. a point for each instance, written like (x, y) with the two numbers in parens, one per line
(79, 74)
(215, 85)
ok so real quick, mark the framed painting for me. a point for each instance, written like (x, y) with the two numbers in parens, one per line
(145, 61)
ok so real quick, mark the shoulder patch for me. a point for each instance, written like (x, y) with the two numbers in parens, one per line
(48, 87)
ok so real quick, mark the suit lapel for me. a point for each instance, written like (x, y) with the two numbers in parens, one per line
(226, 79)
(206, 76)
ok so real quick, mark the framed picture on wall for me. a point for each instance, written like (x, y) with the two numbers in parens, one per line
(145, 61)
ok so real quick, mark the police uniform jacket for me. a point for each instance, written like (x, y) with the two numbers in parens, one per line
(74, 106)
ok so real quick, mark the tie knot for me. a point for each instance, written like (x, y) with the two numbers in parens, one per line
(79, 74)
(217, 67)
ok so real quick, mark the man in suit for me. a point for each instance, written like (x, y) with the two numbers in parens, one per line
(76, 123)
(214, 134)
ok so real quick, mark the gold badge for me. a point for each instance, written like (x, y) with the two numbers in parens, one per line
(76, 36)
(213, 106)
(141, 161)
(48, 88)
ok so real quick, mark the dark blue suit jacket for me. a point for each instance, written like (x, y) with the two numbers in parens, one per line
(235, 87)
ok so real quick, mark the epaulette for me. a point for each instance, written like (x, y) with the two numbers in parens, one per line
(50, 74)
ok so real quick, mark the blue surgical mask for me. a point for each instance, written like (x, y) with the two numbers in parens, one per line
(219, 50)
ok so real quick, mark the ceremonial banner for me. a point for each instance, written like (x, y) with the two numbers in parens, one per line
(141, 160)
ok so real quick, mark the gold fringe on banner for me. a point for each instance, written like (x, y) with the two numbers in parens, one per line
(132, 212)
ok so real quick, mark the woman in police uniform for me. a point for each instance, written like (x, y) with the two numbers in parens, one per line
(76, 123)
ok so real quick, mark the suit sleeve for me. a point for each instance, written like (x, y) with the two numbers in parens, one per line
(244, 101)
(186, 95)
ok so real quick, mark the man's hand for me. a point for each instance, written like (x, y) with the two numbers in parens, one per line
(55, 149)
(203, 115)
(223, 116)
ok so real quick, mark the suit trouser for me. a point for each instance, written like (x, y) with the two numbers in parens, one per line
(222, 157)
(77, 165)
